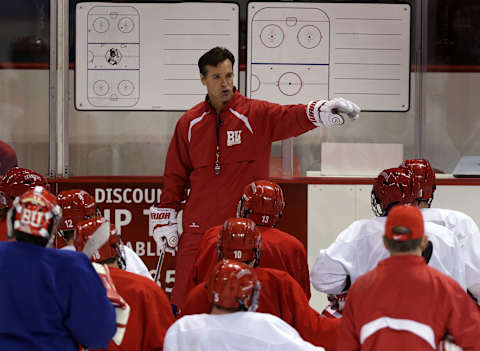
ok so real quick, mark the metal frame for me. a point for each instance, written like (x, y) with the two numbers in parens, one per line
(58, 90)
(420, 61)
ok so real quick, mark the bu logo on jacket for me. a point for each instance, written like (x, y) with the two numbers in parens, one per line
(234, 137)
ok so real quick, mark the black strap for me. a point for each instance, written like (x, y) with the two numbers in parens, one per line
(427, 253)
(348, 282)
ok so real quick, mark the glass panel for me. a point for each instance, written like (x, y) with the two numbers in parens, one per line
(441, 123)
(451, 86)
(24, 64)
(373, 128)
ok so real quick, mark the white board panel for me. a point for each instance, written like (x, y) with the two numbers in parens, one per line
(297, 52)
(144, 56)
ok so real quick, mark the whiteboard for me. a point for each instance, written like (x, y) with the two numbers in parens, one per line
(298, 52)
(144, 56)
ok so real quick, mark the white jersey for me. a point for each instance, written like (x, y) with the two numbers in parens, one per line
(468, 235)
(235, 331)
(134, 264)
(359, 248)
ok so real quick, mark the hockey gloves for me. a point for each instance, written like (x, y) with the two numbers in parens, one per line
(164, 221)
(330, 112)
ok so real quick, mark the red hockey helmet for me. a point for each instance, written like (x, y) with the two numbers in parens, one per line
(233, 285)
(263, 202)
(425, 175)
(98, 239)
(240, 240)
(77, 206)
(18, 180)
(394, 186)
(35, 213)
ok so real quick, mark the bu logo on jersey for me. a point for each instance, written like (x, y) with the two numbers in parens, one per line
(234, 137)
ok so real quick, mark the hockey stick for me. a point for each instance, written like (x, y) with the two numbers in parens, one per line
(160, 261)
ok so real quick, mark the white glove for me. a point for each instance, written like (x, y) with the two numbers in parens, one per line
(329, 112)
(164, 221)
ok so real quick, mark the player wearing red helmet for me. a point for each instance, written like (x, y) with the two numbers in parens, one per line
(263, 202)
(462, 225)
(150, 313)
(425, 175)
(233, 286)
(240, 240)
(98, 239)
(359, 247)
(77, 206)
(231, 296)
(59, 288)
(16, 181)
(394, 186)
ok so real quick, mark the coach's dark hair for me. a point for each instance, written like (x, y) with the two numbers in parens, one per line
(401, 246)
(213, 57)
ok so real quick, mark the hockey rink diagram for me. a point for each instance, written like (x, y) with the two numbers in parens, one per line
(144, 56)
(113, 70)
(298, 52)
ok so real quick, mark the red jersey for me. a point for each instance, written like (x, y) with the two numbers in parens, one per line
(283, 297)
(244, 132)
(3, 229)
(150, 312)
(403, 304)
(280, 250)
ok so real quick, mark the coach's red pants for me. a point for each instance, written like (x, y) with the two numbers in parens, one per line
(187, 252)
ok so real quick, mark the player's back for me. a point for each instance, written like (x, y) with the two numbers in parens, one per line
(280, 251)
(234, 331)
(150, 311)
(359, 248)
(462, 225)
(468, 235)
(422, 307)
(48, 297)
(283, 297)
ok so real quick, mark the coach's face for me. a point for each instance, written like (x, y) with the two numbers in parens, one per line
(219, 83)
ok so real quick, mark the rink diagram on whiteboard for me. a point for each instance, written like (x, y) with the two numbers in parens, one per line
(143, 56)
(113, 56)
(302, 51)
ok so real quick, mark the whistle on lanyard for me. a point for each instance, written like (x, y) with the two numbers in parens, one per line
(217, 163)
